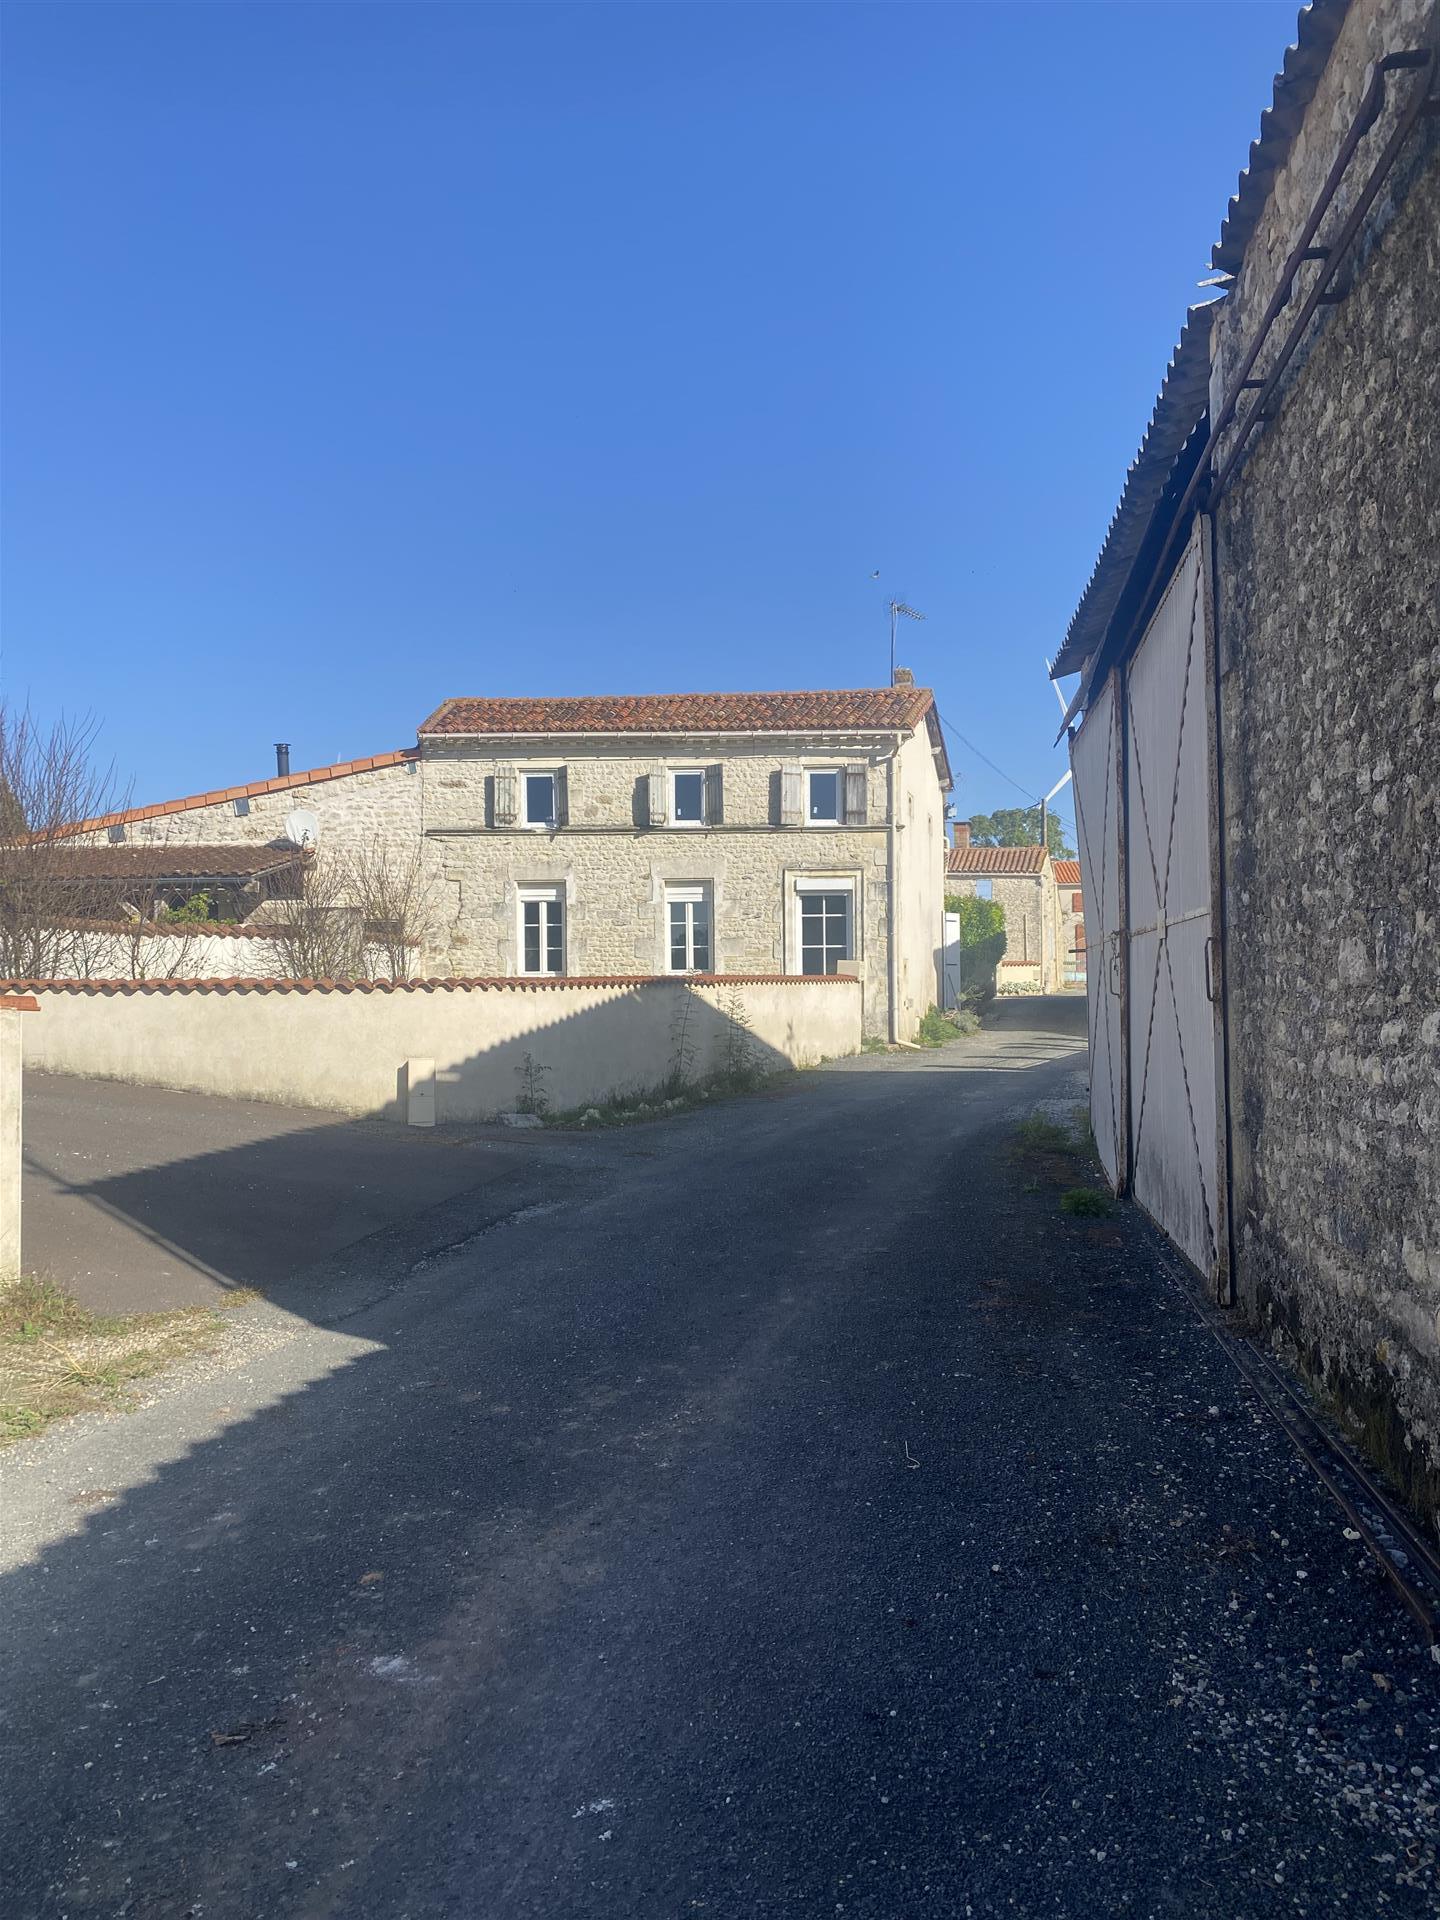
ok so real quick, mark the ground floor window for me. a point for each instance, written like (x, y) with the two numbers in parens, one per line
(826, 928)
(687, 912)
(542, 930)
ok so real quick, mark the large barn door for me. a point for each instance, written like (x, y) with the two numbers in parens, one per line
(1174, 989)
(1095, 759)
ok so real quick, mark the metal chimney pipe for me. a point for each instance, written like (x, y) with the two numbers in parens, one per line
(282, 758)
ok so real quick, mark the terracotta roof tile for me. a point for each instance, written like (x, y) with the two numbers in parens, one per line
(1067, 873)
(278, 783)
(880, 709)
(148, 863)
(996, 860)
(507, 984)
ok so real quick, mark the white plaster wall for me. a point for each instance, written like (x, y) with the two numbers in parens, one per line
(347, 1050)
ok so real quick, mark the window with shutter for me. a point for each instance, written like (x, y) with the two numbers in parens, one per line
(855, 794)
(792, 805)
(687, 797)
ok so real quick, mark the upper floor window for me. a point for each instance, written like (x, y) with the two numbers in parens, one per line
(542, 930)
(687, 797)
(539, 793)
(824, 795)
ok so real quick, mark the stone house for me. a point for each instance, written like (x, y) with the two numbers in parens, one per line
(762, 833)
(1258, 743)
(1022, 881)
(1071, 900)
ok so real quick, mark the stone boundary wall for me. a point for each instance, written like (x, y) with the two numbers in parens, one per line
(347, 1045)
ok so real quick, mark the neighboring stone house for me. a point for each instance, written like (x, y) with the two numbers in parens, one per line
(1022, 881)
(1261, 641)
(1072, 922)
(739, 833)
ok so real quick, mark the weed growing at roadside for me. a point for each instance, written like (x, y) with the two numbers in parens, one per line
(58, 1358)
(1088, 1203)
(533, 1097)
(1038, 1133)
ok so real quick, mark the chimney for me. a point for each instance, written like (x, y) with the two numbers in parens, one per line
(902, 677)
(962, 833)
(282, 758)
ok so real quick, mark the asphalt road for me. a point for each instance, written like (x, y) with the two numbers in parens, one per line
(141, 1198)
(786, 1512)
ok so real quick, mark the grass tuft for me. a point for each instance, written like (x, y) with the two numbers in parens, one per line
(1040, 1134)
(1088, 1203)
(59, 1358)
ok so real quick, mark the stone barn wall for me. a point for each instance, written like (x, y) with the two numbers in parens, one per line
(1328, 562)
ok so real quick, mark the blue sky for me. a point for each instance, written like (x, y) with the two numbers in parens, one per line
(360, 355)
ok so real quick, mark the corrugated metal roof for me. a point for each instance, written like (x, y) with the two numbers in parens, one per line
(1183, 398)
(1315, 34)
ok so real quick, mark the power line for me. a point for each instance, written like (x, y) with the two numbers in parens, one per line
(1033, 799)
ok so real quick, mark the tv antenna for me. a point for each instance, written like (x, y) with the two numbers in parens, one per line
(897, 607)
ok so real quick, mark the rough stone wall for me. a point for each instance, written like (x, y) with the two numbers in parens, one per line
(1072, 925)
(380, 806)
(1031, 924)
(614, 868)
(1328, 560)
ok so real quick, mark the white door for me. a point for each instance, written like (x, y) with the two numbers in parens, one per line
(1095, 762)
(1174, 1036)
(950, 971)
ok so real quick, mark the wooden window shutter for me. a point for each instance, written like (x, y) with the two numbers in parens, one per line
(714, 796)
(507, 797)
(562, 796)
(855, 794)
(656, 783)
(792, 797)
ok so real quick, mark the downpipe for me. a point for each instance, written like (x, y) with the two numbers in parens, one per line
(891, 946)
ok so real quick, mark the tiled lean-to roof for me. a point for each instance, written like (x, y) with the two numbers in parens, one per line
(165, 862)
(861, 709)
(1067, 873)
(1002, 862)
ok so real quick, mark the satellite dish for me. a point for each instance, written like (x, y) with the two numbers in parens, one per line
(302, 827)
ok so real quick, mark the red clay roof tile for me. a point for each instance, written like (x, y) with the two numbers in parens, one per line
(862, 709)
(1002, 861)
(1067, 873)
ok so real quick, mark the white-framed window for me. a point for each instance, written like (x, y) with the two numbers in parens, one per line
(689, 938)
(542, 930)
(539, 796)
(824, 796)
(824, 924)
(687, 797)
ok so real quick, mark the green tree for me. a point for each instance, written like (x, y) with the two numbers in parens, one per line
(1019, 827)
(979, 919)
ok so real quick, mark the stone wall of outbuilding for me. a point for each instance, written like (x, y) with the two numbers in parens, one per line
(1328, 564)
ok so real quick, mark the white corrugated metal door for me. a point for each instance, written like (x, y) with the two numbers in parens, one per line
(1174, 1032)
(1095, 762)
